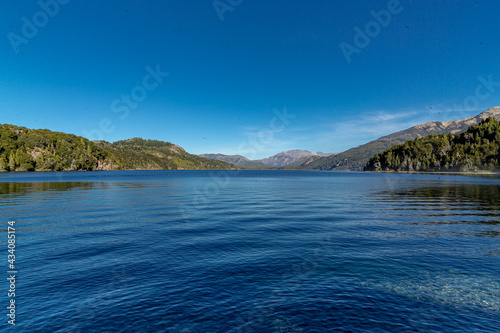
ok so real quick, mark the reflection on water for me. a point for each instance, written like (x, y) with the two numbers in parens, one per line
(459, 223)
(459, 209)
(264, 251)
(25, 188)
(481, 196)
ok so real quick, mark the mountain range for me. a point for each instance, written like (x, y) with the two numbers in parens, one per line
(475, 150)
(23, 149)
(286, 158)
(356, 158)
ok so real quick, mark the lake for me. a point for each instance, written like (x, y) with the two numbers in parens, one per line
(252, 251)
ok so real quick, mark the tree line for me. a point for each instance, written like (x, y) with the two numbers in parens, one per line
(23, 149)
(478, 148)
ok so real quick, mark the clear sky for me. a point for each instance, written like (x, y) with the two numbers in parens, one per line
(347, 74)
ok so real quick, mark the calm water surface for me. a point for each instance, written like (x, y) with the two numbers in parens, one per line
(252, 251)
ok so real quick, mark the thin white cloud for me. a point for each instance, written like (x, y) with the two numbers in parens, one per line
(383, 116)
(351, 132)
(340, 134)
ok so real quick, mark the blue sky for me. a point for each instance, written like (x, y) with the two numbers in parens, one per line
(231, 68)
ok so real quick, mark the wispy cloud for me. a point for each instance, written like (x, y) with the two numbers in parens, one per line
(350, 132)
(337, 135)
(383, 116)
(342, 133)
(353, 131)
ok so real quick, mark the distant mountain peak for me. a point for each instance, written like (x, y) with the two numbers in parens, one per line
(493, 112)
(235, 159)
(281, 159)
(289, 157)
(356, 158)
(437, 127)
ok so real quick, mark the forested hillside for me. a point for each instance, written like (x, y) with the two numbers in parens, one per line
(23, 149)
(138, 153)
(356, 158)
(476, 149)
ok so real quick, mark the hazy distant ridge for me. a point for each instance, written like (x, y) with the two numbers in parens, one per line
(235, 159)
(288, 157)
(279, 160)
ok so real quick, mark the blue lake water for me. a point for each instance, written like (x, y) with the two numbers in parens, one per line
(252, 251)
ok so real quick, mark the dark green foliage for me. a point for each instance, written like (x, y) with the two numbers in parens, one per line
(23, 149)
(476, 149)
(356, 158)
(138, 153)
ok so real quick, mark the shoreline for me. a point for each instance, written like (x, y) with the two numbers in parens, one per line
(458, 173)
(16, 171)
(451, 173)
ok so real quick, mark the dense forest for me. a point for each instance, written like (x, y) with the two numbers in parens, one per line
(476, 149)
(23, 149)
(138, 153)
